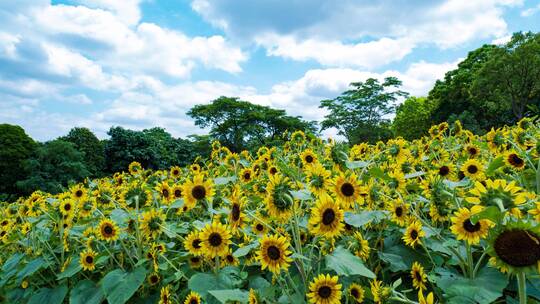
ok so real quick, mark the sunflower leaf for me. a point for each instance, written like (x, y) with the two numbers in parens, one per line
(356, 164)
(494, 165)
(226, 295)
(345, 263)
(86, 292)
(491, 213)
(363, 218)
(49, 296)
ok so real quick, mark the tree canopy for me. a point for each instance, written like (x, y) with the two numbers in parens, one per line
(241, 125)
(412, 118)
(92, 148)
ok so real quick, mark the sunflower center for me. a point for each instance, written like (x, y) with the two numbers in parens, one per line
(469, 227)
(273, 170)
(67, 207)
(196, 243)
(108, 230)
(89, 259)
(417, 276)
(324, 292)
(328, 216)
(165, 192)
(195, 260)
(78, 193)
(154, 279)
(444, 170)
(515, 160)
(259, 227)
(247, 176)
(347, 189)
(273, 253)
(235, 212)
(309, 159)
(472, 151)
(472, 169)
(414, 234)
(177, 193)
(215, 239)
(399, 211)
(193, 301)
(175, 172)
(519, 248)
(355, 293)
(198, 192)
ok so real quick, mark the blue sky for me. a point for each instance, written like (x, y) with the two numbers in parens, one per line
(145, 63)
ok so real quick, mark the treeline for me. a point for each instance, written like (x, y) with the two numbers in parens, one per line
(495, 85)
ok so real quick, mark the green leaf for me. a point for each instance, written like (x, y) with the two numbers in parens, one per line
(12, 262)
(224, 180)
(356, 164)
(494, 165)
(226, 295)
(302, 195)
(204, 282)
(345, 263)
(31, 268)
(485, 288)
(365, 217)
(86, 292)
(73, 268)
(242, 251)
(414, 174)
(379, 173)
(491, 213)
(49, 296)
(119, 216)
(119, 286)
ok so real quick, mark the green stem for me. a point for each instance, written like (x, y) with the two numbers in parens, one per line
(538, 177)
(478, 263)
(470, 261)
(522, 288)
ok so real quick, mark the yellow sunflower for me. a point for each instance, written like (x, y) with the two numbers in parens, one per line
(229, 259)
(308, 158)
(464, 229)
(78, 192)
(215, 240)
(197, 190)
(274, 253)
(498, 193)
(193, 243)
(360, 246)
(425, 300)
(152, 222)
(356, 293)
(67, 207)
(324, 289)
(346, 188)
(400, 212)
(418, 276)
(108, 230)
(175, 171)
(135, 168)
(473, 169)
(253, 297)
(165, 295)
(165, 192)
(326, 217)
(176, 192)
(88, 259)
(246, 175)
(318, 179)
(279, 202)
(236, 214)
(193, 298)
(153, 279)
(514, 160)
(413, 233)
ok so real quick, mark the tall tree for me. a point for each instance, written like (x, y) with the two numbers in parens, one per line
(413, 118)
(15, 148)
(360, 114)
(54, 165)
(510, 79)
(240, 124)
(92, 148)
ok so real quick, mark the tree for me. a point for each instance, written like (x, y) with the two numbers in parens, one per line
(92, 148)
(15, 148)
(241, 125)
(510, 79)
(413, 118)
(54, 165)
(360, 114)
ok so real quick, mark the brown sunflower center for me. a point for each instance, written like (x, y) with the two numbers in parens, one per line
(195, 260)
(472, 150)
(154, 279)
(89, 259)
(193, 301)
(519, 248)
(418, 276)
(515, 160)
(472, 169)
(273, 253)
(259, 227)
(78, 193)
(328, 216)
(198, 192)
(414, 234)
(67, 207)
(469, 227)
(177, 193)
(347, 189)
(230, 258)
(175, 172)
(273, 170)
(108, 230)
(355, 293)
(309, 159)
(444, 170)
(247, 176)
(399, 211)
(196, 243)
(324, 292)
(235, 212)
(165, 192)
(215, 239)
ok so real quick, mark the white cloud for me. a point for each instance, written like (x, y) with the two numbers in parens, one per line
(530, 11)
(128, 11)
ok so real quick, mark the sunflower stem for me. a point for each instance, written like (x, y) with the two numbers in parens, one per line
(522, 287)
(478, 263)
(470, 261)
(538, 177)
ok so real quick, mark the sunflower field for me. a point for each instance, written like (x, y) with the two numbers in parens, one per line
(449, 218)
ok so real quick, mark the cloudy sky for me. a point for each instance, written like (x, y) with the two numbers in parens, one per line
(144, 63)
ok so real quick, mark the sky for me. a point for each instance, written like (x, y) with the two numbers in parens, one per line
(144, 63)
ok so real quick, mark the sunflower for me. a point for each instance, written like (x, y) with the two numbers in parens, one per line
(193, 298)
(246, 175)
(426, 300)
(215, 240)
(326, 217)
(175, 171)
(298, 137)
(515, 247)
(536, 211)
(464, 229)
(473, 169)
(165, 192)
(400, 212)
(274, 253)
(346, 189)
(514, 160)
(197, 190)
(135, 168)
(229, 259)
(192, 243)
(324, 289)
(152, 222)
(379, 292)
(153, 279)
(418, 276)
(78, 192)
(356, 293)
(67, 207)
(87, 207)
(195, 168)
(318, 179)
(136, 193)
(446, 171)
(165, 295)
(88, 259)
(195, 262)
(108, 230)
(396, 180)
(472, 150)
(308, 158)
(498, 193)
(360, 246)
(259, 228)
(278, 199)
(253, 297)
(413, 233)
(176, 192)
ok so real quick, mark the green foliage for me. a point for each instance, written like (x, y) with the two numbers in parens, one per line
(241, 125)
(15, 148)
(92, 148)
(413, 118)
(54, 165)
(119, 286)
(359, 114)
(345, 263)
